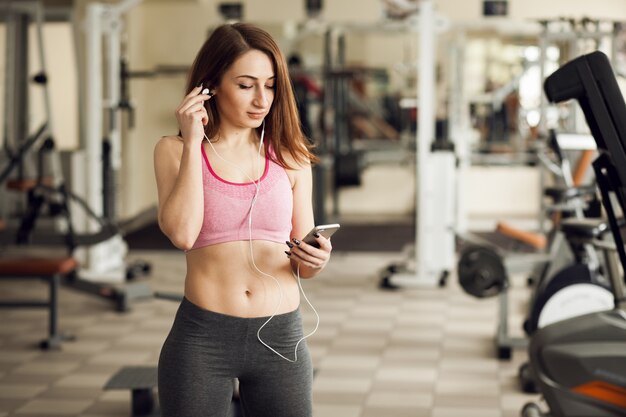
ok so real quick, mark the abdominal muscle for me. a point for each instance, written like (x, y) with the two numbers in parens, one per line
(222, 278)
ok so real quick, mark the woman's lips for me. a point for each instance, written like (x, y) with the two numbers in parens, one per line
(256, 116)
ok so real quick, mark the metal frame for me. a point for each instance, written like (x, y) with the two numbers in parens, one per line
(17, 16)
(55, 338)
(542, 264)
(586, 79)
(104, 261)
(571, 33)
(433, 255)
(104, 265)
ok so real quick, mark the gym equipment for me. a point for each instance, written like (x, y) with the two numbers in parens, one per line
(554, 296)
(142, 382)
(580, 363)
(482, 272)
(345, 161)
(313, 8)
(55, 203)
(352, 115)
(576, 290)
(432, 256)
(485, 262)
(47, 269)
(101, 95)
(39, 201)
(573, 37)
(562, 39)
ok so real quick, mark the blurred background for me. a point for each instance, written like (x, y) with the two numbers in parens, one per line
(434, 137)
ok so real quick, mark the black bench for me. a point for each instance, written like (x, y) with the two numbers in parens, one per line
(142, 383)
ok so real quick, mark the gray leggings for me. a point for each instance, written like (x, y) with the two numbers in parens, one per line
(205, 351)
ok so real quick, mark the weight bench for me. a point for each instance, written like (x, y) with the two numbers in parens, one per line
(47, 269)
(142, 382)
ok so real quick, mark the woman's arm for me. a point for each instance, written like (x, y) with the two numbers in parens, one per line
(310, 259)
(178, 171)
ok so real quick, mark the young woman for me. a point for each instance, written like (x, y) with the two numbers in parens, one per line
(235, 194)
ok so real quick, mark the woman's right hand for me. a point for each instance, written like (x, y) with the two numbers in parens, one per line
(192, 115)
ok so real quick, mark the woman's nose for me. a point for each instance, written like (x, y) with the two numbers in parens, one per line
(261, 99)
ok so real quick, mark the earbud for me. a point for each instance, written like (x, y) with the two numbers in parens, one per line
(210, 93)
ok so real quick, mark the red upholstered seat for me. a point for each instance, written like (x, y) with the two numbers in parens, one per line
(29, 266)
(27, 184)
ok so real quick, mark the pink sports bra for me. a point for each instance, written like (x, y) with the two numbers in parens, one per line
(227, 207)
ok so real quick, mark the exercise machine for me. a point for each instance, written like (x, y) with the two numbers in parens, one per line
(580, 231)
(101, 129)
(486, 262)
(580, 363)
(42, 208)
(431, 258)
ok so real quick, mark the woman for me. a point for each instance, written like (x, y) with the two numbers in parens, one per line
(235, 193)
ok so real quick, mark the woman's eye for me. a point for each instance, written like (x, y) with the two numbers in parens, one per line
(244, 87)
(271, 87)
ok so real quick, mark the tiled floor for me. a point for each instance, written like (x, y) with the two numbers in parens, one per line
(414, 352)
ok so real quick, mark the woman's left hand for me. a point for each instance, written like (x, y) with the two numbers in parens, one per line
(308, 255)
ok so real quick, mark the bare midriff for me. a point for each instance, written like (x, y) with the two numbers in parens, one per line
(222, 278)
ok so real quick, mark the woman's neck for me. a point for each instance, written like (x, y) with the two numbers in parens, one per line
(237, 138)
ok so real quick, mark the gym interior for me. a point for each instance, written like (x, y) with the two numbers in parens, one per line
(472, 152)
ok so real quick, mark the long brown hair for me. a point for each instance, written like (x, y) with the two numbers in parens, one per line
(282, 124)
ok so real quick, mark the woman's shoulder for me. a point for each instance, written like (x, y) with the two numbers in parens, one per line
(168, 152)
(169, 145)
(291, 162)
(170, 141)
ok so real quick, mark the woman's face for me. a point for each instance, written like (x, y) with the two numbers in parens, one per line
(246, 92)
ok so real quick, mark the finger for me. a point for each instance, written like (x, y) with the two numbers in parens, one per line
(194, 96)
(313, 259)
(194, 91)
(324, 247)
(324, 243)
(194, 113)
(315, 264)
(307, 249)
(191, 101)
(196, 108)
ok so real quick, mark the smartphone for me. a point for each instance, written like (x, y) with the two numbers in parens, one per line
(326, 230)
